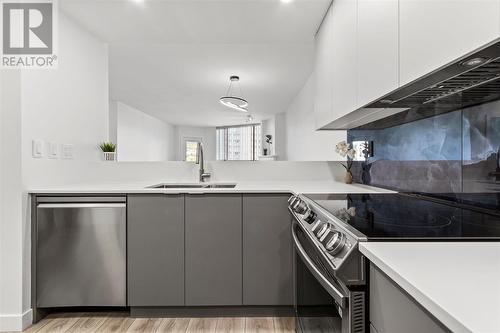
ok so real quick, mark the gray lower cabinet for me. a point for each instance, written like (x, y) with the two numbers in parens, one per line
(392, 310)
(155, 250)
(267, 250)
(213, 249)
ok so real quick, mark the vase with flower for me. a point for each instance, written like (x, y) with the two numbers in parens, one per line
(345, 150)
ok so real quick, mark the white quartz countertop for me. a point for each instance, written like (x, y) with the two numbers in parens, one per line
(241, 187)
(457, 282)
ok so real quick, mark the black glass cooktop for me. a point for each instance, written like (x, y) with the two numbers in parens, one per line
(411, 216)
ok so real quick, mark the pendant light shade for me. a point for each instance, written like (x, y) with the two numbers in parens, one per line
(231, 100)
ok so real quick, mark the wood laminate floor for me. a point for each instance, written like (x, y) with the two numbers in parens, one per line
(94, 323)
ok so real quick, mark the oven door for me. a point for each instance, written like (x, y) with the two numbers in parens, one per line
(321, 302)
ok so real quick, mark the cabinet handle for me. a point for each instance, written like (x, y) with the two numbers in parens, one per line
(82, 205)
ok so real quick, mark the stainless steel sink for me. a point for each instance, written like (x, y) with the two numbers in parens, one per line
(181, 186)
(221, 186)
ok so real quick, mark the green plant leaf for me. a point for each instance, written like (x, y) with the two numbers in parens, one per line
(108, 147)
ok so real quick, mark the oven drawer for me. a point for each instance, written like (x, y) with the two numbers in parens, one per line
(322, 303)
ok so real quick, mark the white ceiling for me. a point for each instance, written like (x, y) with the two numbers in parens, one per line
(173, 58)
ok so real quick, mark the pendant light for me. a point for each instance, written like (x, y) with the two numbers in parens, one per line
(231, 100)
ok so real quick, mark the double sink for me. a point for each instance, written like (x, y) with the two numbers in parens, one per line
(201, 186)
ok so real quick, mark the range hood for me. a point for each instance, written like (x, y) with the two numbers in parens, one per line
(471, 80)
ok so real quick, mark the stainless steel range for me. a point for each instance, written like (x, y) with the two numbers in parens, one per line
(331, 273)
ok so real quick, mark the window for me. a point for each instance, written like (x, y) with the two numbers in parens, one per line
(238, 143)
(191, 149)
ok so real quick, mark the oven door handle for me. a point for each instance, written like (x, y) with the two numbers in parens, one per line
(339, 296)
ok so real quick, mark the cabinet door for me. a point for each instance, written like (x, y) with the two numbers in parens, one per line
(391, 310)
(344, 57)
(156, 250)
(436, 32)
(267, 250)
(323, 72)
(377, 49)
(213, 250)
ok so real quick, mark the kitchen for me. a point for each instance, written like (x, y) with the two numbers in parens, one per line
(298, 165)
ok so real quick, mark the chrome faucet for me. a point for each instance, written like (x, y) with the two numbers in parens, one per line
(200, 160)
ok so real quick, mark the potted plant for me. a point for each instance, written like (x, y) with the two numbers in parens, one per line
(108, 151)
(345, 150)
(269, 141)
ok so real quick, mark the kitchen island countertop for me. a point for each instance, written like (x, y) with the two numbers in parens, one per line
(295, 187)
(457, 282)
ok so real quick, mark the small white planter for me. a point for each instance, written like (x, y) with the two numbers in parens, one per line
(110, 157)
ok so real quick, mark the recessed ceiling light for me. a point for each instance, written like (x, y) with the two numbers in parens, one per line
(286, 1)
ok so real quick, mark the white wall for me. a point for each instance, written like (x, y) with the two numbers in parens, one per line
(268, 127)
(69, 104)
(280, 145)
(13, 277)
(113, 122)
(207, 135)
(303, 143)
(66, 105)
(275, 171)
(275, 126)
(141, 137)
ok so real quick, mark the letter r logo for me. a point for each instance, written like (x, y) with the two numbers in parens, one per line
(27, 28)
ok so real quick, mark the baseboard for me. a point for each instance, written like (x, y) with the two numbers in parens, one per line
(16, 323)
(212, 311)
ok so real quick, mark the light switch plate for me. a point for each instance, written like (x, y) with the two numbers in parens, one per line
(52, 150)
(67, 151)
(37, 148)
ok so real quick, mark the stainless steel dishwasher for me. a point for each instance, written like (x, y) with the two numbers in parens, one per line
(80, 251)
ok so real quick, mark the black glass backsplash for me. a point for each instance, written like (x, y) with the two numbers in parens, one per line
(455, 153)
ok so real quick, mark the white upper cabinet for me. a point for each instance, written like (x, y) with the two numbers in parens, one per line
(336, 64)
(377, 49)
(345, 69)
(366, 49)
(323, 72)
(436, 32)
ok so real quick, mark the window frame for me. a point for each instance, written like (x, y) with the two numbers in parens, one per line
(187, 139)
(255, 153)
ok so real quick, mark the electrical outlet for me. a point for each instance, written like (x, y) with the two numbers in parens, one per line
(37, 148)
(67, 151)
(52, 150)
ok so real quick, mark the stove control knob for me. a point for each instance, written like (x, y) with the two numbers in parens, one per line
(294, 203)
(300, 207)
(316, 225)
(310, 216)
(292, 200)
(322, 230)
(326, 234)
(335, 242)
